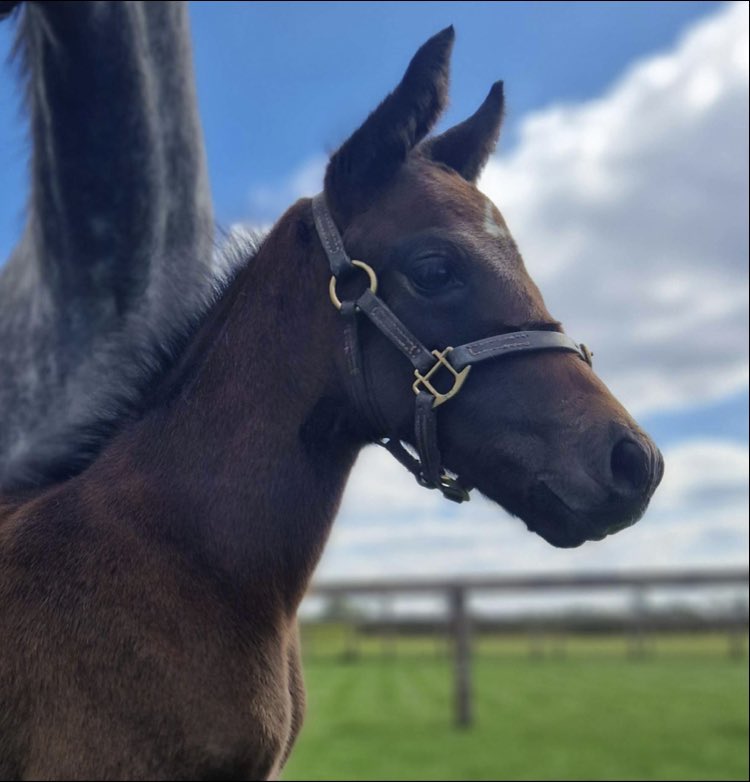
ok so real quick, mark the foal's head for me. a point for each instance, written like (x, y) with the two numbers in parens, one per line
(537, 432)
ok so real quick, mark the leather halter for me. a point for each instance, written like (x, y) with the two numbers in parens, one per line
(457, 362)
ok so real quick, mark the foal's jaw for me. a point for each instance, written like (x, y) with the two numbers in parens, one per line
(572, 507)
(559, 452)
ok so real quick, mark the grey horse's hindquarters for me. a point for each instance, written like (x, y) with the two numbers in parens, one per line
(116, 258)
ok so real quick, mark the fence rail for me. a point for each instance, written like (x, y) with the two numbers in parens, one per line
(593, 580)
(459, 623)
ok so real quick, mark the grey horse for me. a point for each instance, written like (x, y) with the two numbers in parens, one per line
(117, 250)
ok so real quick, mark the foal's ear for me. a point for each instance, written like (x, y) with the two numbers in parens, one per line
(467, 147)
(374, 152)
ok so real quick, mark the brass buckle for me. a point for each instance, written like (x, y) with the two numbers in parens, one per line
(452, 490)
(458, 378)
(360, 265)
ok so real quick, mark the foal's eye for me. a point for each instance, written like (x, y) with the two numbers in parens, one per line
(432, 275)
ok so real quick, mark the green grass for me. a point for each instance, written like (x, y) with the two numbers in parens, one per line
(679, 714)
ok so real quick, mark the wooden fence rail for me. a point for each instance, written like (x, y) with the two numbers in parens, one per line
(458, 590)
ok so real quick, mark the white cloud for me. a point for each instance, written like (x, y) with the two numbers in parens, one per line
(305, 181)
(701, 475)
(631, 211)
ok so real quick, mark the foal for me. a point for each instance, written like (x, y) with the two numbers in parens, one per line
(147, 605)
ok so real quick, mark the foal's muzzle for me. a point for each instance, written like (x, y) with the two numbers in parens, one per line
(617, 498)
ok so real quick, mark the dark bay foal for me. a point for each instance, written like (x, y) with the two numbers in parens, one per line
(147, 605)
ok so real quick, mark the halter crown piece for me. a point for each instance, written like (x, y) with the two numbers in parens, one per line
(456, 362)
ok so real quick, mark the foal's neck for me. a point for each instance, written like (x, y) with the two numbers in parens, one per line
(249, 456)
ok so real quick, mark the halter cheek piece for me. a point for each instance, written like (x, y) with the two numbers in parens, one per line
(457, 362)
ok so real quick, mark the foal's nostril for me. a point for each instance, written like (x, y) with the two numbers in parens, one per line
(631, 465)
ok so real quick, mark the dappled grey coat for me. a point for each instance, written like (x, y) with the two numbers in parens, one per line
(116, 253)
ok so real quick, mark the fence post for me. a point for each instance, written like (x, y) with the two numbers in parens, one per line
(536, 638)
(389, 630)
(737, 627)
(462, 657)
(639, 618)
(350, 651)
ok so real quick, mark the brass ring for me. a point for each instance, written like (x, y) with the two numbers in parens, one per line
(360, 265)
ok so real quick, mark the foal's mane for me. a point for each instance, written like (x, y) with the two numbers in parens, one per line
(154, 368)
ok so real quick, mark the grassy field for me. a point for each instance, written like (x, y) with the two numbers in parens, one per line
(679, 713)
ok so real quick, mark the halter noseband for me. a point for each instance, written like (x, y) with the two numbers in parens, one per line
(457, 362)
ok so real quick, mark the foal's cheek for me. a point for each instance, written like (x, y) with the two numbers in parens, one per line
(390, 379)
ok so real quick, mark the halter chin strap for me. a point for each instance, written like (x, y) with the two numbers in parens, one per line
(453, 363)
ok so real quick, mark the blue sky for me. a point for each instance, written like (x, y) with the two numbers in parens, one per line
(626, 128)
(281, 82)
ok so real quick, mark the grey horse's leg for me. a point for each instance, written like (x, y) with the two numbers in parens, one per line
(117, 249)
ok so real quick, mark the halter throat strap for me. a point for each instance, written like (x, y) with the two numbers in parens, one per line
(457, 362)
